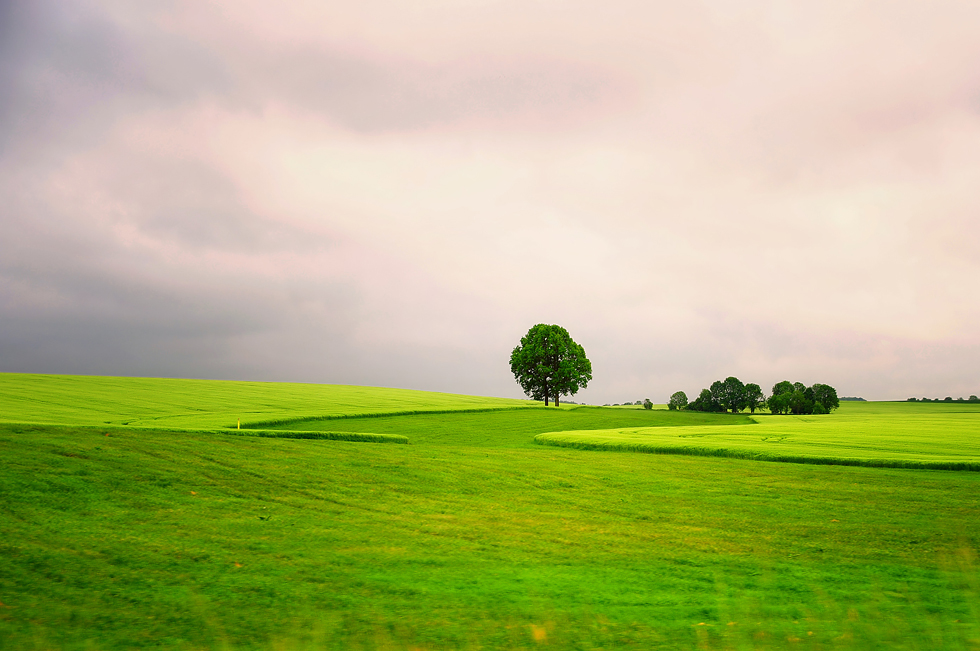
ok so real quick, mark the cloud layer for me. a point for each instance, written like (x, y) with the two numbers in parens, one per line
(393, 193)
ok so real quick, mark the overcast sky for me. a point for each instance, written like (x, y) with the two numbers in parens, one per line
(392, 193)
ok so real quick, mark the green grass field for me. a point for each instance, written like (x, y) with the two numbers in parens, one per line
(473, 536)
(197, 404)
(898, 434)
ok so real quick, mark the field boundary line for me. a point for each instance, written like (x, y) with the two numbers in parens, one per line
(259, 424)
(362, 437)
(749, 455)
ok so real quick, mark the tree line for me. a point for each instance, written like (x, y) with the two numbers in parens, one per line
(787, 397)
(549, 364)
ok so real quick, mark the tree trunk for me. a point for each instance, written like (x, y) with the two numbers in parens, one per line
(556, 399)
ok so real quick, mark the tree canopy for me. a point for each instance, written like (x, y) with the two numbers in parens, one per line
(731, 394)
(706, 401)
(754, 398)
(677, 401)
(787, 398)
(549, 364)
(797, 398)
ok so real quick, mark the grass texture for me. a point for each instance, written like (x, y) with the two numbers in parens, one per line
(515, 428)
(177, 403)
(896, 434)
(112, 430)
(473, 537)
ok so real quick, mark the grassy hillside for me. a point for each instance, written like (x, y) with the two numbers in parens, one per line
(877, 434)
(174, 403)
(514, 427)
(185, 540)
(472, 536)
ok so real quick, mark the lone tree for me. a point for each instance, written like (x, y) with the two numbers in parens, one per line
(548, 364)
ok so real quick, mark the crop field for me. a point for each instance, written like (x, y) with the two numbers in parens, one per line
(514, 427)
(471, 536)
(197, 404)
(899, 434)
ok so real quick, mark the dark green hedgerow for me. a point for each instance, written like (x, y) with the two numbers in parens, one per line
(648, 448)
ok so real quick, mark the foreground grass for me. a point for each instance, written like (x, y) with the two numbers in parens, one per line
(192, 540)
(874, 434)
(177, 403)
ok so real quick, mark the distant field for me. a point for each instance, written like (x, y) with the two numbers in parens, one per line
(515, 427)
(118, 537)
(897, 434)
(174, 403)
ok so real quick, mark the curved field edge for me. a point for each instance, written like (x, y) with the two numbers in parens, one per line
(756, 456)
(588, 441)
(364, 437)
(391, 414)
(356, 437)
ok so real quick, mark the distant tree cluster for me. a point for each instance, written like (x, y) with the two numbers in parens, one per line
(729, 394)
(795, 398)
(646, 403)
(946, 399)
(732, 395)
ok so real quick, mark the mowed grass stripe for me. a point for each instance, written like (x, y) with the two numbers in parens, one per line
(181, 403)
(869, 434)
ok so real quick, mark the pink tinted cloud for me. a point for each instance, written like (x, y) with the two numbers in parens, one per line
(694, 190)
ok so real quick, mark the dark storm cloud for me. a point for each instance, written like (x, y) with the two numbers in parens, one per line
(150, 261)
(56, 62)
(165, 273)
(75, 297)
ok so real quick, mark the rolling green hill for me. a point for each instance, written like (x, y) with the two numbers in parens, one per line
(513, 427)
(470, 537)
(898, 434)
(177, 403)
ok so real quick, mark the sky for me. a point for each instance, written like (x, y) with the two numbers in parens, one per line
(392, 193)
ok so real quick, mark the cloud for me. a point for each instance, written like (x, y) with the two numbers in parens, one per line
(392, 194)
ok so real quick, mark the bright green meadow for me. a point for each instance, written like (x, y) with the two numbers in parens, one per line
(196, 404)
(896, 434)
(135, 515)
